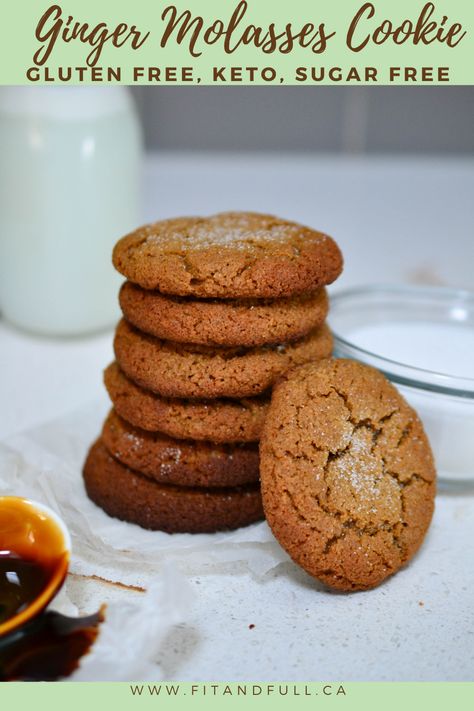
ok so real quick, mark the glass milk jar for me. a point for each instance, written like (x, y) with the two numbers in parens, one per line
(69, 189)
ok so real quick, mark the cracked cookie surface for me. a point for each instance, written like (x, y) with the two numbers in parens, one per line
(178, 370)
(180, 462)
(229, 255)
(218, 322)
(218, 420)
(347, 473)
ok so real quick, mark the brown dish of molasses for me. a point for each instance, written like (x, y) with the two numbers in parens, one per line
(36, 645)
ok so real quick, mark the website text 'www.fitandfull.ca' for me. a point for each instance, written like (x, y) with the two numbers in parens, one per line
(230, 690)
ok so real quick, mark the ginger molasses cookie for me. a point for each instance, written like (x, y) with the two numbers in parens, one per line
(217, 420)
(347, 473)
(193, 371)
(181, 462)
(229, 255)
(230, 322)
(132, 497)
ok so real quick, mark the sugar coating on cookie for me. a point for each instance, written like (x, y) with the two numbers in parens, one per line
(347, 473)
(181, 462)
(229, 255)
(127, 495)
(193, 371)
(218, 420)
(218, 322)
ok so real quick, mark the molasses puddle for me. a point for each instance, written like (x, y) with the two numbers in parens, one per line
(48, 648)
(34, 558)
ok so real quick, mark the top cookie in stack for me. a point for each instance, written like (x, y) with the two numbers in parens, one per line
(216, 309)
(232, 255)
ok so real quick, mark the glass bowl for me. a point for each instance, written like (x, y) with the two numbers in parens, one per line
(422, 339)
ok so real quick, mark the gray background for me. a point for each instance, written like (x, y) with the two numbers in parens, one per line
(329, 119)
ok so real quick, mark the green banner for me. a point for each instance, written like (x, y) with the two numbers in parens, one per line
(238, 42)
(219, 696)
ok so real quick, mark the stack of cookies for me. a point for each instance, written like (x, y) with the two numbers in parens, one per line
(215, 311)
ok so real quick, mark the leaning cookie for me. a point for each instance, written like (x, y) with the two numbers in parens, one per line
(347, 473)
(229, 255)
(217, 420)
(129, 496)
(180, 462)
(186, 371)
(212, 322)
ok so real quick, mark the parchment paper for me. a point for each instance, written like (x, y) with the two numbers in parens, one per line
(44, 464)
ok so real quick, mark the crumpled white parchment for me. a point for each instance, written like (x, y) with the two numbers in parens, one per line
(133, 632)
(45, 464)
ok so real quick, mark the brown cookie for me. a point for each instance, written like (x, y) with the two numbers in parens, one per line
(185, 371)
(210, 420)
(244, 322)
(180, 462)
(230, 255)
(127, 495)
(347, 474)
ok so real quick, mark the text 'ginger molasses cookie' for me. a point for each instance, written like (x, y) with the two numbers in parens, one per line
(229, 255)
(244, 322)
(129, 496)
(180, 462)
(217, 420)
(347, 473)
(192, 371)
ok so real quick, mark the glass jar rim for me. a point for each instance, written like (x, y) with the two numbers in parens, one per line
(399, 372)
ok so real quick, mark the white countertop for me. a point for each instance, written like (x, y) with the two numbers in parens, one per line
(396, 220)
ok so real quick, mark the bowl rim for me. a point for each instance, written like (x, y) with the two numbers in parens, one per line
(57, 579)
(406, 374)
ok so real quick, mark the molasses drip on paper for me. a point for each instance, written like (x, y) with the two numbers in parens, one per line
(47, 648)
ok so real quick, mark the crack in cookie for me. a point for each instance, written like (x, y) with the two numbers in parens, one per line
(348, 478)
(229, 255)
(202, 372)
